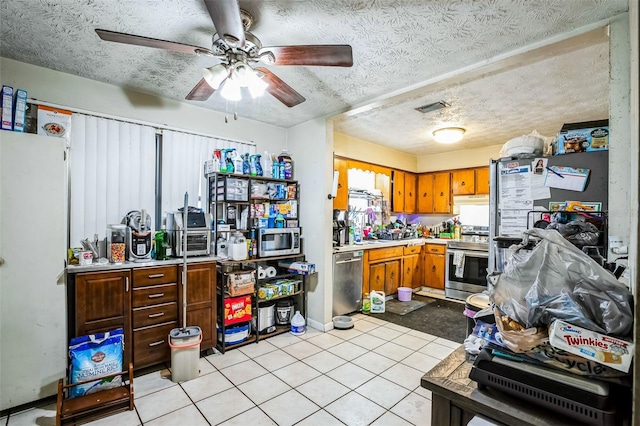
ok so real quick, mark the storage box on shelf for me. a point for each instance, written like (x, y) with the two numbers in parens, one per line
(236, 302)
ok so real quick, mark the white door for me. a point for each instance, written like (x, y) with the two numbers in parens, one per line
(33, 346)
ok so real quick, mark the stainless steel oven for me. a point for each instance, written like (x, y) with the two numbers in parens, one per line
(466, 269)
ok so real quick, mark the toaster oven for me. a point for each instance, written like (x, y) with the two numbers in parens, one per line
(198, 234)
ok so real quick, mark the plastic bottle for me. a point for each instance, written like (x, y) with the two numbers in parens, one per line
(246, 167)
(298, 324)
(259, 171)
(366, 304)
(456, 231)
(268, 164)
(238, 247)
(279, 221)
(287, 163)
(221, 248)
(275, 169)
(159, 246)
(281, 170)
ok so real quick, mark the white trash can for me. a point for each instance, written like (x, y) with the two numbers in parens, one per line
(185, 353)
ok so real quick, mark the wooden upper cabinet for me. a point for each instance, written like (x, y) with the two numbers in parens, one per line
(442, 192)
(397, 200)
(383, 183)
(409, 193)
(341, 202)
(463, 182)
(482, 180)
(425, 193)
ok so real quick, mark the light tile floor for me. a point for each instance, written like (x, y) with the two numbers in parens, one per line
(367, 375)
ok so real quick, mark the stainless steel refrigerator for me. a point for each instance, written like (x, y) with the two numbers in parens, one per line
(517, 189)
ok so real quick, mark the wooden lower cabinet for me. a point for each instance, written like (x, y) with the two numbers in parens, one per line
(201, 303)
(102, 302)
(434, 265)
(411, 271)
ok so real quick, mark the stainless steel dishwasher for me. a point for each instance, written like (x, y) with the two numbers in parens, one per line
(347, 282)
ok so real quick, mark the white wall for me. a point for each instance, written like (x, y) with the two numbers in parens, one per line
(310, 145)
(472, 157)
(75, 92)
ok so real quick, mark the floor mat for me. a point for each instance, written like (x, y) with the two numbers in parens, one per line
(438, 317)
(403, 308)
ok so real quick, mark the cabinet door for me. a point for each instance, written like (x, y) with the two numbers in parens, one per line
(410, 271)
(383, 183)
(201, 303)
(376, 277)
(435, 270)
(463, 182)
(409, 193)
(342, 196)
(482, 181)
(397, 200)
(442, 192)
(392, 276)
(425, 193)
(103, 303)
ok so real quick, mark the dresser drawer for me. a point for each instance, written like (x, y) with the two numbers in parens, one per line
(155, 295)
(156, 314)
(412, 250)
(151, 344)
(436, 248)
(151, 276)
(377, 254)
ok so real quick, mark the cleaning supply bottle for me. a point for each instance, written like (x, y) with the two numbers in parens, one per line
(246, 167)
(298, 324)
(259, 171)
(366, 304)
(268, 164)
(281, 170)
(275, 170)
(285, 162)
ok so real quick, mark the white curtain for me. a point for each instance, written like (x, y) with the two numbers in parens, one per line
(112, 171)
(183, 157)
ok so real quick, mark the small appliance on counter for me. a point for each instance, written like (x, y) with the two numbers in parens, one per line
(284, 312)
(198, 232)
(339, 229)
(139, 235)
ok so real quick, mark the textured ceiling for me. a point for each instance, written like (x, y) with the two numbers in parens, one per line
(396, 44)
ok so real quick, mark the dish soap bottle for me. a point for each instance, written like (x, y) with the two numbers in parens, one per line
(366, 304)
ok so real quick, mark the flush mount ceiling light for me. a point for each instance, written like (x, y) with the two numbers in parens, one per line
(448, 134)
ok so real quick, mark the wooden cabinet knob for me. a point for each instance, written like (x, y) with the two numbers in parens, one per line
(424, 195)
(462, 184)
(442, 194)
(433, 268)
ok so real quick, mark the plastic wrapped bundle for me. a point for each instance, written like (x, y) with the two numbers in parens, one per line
(556, 280)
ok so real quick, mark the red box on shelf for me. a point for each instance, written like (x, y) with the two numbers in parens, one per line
(237, 309)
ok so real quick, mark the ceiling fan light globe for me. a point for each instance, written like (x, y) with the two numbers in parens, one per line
(257, 85)
(231, 90)
(215, 75)
(448, 135)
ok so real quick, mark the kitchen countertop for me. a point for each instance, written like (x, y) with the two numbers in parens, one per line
(374, 244)
(98, 267)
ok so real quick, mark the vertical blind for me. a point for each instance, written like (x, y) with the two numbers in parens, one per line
(183, 157)
(112, 171)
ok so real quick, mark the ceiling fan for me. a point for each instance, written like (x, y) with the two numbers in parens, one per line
(238, 50)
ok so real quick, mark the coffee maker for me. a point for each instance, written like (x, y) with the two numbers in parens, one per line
(339, 228)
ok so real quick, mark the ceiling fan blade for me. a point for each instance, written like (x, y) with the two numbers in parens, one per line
(281, 90)
(333, 55)
(225, 15)
(201, 92)
(152, 42)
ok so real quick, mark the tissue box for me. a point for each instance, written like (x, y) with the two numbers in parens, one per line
(7, 108)
(582, 137)
(605, 350)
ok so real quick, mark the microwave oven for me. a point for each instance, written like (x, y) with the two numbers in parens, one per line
(278, 241)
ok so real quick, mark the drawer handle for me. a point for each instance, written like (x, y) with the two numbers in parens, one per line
(159, 314)
(126, 284)
(153, 296)
(156, 343)
(156, 276)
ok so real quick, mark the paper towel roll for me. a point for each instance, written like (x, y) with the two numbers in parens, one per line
(271, 272)
(262, 274)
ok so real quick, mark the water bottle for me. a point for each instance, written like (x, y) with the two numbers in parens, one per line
(268, 164)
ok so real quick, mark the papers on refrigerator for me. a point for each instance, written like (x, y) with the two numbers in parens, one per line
(514, 198)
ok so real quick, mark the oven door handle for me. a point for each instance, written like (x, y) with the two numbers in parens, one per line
(469, 253)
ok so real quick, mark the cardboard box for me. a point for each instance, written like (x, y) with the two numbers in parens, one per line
(582, 137)
(605, 350)
(7, 108)
(237, 309)
(20, 110)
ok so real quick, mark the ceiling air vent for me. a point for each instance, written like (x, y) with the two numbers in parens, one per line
(432, 107)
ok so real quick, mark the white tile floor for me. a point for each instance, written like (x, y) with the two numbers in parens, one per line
(367, 375)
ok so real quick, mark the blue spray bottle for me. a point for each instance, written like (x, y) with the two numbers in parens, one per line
(246, 167)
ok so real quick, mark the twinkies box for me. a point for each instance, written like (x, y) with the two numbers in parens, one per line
(605, 350)
(582, 137)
